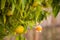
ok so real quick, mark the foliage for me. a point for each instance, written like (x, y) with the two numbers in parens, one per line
(24, 12)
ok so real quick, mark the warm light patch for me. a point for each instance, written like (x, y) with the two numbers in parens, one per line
(38, 28)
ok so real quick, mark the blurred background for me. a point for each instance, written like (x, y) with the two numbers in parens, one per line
(51, 30)
(30, 20)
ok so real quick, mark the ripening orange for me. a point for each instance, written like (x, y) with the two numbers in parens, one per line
(19, 29)
(38, 28)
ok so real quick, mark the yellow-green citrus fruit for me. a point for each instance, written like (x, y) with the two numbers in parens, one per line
(9, 13)
(35, 4)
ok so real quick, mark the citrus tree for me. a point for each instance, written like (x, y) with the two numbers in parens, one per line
(17, 15)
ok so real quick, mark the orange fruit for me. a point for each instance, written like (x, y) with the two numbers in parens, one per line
(19, 29)
(38, 28)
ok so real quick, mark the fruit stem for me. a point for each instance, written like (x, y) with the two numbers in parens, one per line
(19, 36)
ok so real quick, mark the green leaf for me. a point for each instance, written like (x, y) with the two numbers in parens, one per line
(4, 18)
(3, 3)
(31, 24)
(17, 38)
(1, 19)
(13, 7)
(56, 10)
(2, 32)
